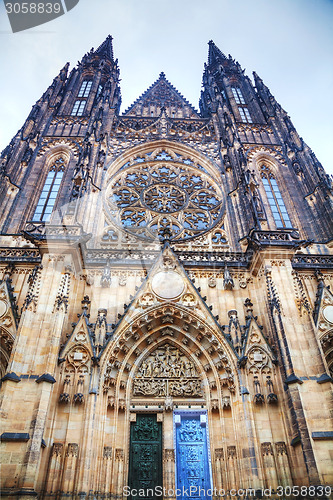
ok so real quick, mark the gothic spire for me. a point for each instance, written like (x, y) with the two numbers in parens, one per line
(106, 48)
(214, 53)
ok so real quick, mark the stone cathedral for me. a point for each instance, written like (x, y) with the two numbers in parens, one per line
(166, 316)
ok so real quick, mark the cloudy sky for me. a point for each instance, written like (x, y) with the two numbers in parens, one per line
(289, 43)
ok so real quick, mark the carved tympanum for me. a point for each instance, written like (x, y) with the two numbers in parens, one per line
(167, 372)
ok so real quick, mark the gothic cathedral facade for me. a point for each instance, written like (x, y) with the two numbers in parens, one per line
(166, 318)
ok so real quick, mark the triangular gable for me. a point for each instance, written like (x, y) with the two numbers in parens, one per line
(167, 282)
(79, 341)
(254, 339)
(161, 95)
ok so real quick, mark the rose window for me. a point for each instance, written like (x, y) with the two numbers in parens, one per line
(155, 198)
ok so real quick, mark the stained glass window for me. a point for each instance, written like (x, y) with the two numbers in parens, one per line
(82, 98)
(162, 194)
(243, 110)
(275, 200)
(50, 191)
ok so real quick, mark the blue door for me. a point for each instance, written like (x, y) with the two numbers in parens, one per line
(193, 470)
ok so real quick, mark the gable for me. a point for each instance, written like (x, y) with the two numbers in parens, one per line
(161, 95)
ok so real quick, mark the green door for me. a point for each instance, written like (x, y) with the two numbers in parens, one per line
(145, 464)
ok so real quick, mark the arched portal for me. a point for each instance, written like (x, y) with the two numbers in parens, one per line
(164, 364)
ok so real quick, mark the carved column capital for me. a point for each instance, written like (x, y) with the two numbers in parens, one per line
(169, 455)
(281, 448)
(266, 449)
(231, 452)
(57, 449)
(107, 452)
(72, 450)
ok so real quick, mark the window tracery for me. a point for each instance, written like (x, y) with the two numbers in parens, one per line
(164, 192)
(50, 191)
(275, 200)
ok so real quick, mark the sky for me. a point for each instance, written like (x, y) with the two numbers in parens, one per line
(289, 43)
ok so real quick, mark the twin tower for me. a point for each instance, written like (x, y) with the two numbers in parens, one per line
(166, 318)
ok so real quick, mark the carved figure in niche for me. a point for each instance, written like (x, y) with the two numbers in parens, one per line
(167, 372)
(270, 384)
(256, 385)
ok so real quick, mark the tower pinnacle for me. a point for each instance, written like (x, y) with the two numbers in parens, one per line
(106, 48)
(214, 53)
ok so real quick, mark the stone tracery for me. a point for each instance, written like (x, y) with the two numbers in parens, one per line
(158, 193)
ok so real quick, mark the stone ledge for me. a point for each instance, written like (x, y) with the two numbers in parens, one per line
(14, 436)
(19, 493)
(321, 436)
(11, 376)
(324, 378)
(292, 379)
(46, 377)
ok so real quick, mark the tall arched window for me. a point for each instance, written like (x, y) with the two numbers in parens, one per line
(82, 98)
(50, 191)
(279, 211)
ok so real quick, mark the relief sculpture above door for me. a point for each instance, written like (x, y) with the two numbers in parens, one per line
(167, 372)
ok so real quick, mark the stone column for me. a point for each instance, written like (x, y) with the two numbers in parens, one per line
(118, 474)
(106, 472)
(55, 469)
(169, 470)
(219, 466)
(269, 465)
(68, 484)
(231, 467)
(283, 466)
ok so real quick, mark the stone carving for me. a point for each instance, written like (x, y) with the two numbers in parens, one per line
(231, 452)
(169, 455)
(107, 452)
(281, 448)
(151, 199)
(228, 282)
(64, 398)
(266, 449)
(167, 372)
(72, 450)
(78, 398)
(219, 454)
(259, 361)
(119, 454)
(61, 302)
(57, 449)
(106, 277)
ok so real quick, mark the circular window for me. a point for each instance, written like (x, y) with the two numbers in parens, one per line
(157, 198)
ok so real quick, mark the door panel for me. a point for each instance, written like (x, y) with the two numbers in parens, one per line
(145, 465)
(193, 471)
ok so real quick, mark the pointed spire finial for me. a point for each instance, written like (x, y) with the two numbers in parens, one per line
(106, 48)
(162, 75)
(214, 53)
